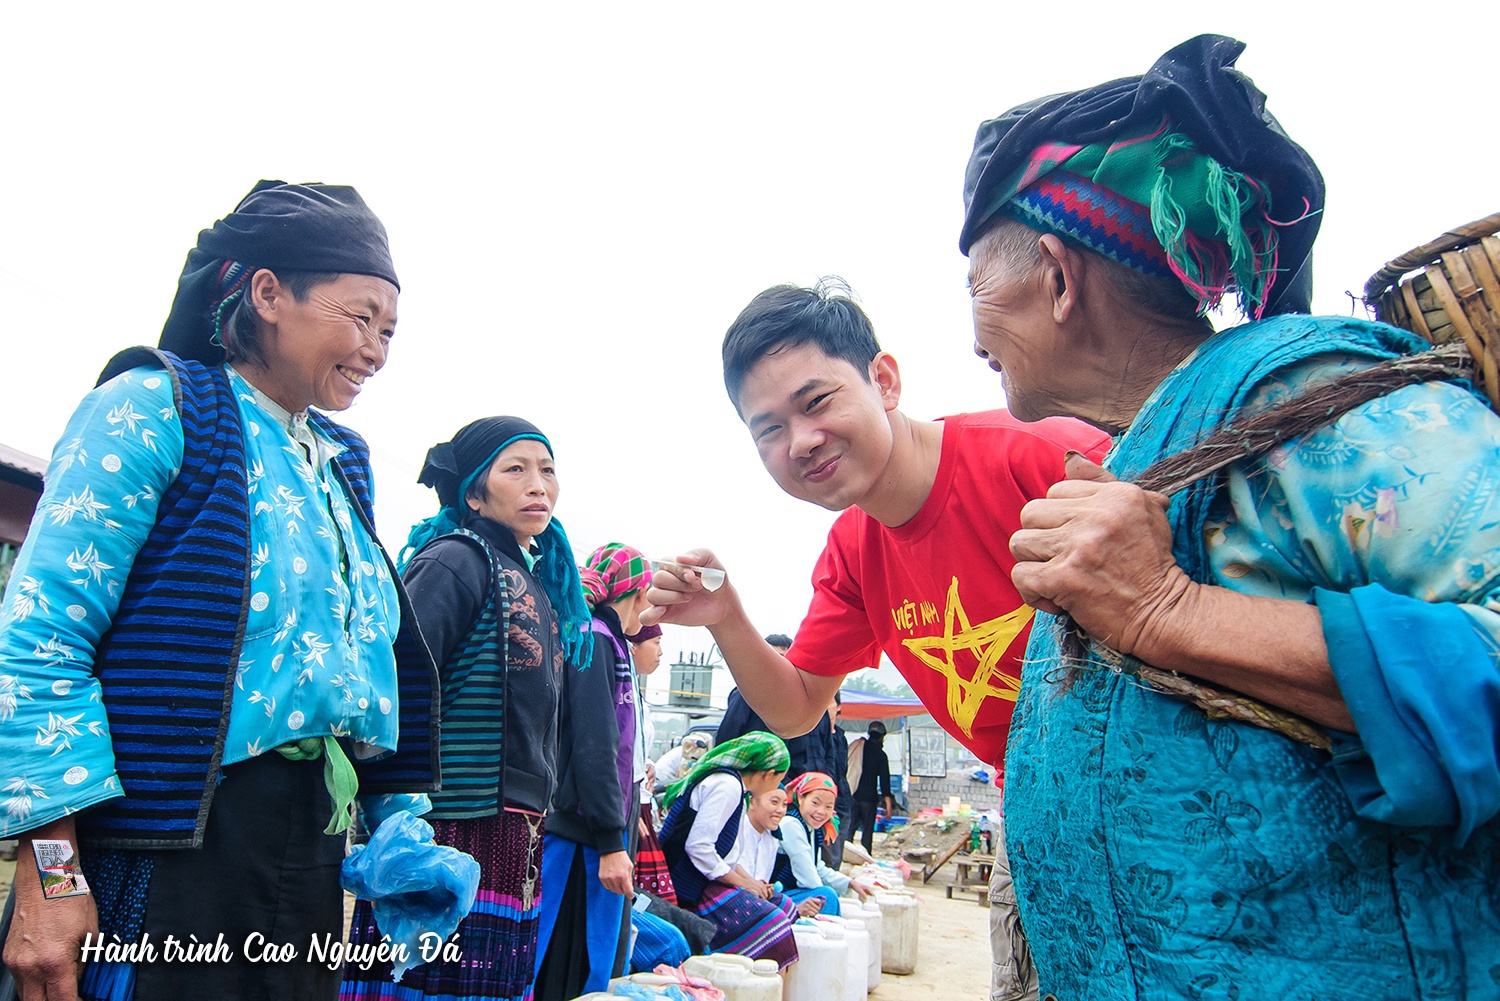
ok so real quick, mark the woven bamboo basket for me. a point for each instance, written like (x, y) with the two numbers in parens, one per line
(1449, 290)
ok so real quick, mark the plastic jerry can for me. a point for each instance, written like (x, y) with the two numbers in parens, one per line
(898, 947)
(818, 974)
(739, 977)
(870, 914)
(856, 970)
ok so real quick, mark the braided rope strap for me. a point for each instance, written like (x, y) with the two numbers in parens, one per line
(1256, 435)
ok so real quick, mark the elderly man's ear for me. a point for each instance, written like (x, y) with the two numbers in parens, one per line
(1061, 265)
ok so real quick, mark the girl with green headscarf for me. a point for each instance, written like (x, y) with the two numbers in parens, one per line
(704, 811)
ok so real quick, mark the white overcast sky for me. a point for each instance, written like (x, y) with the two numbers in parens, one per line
(581, 197)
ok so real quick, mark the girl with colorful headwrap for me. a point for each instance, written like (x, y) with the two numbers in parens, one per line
(496, 593)
(810, 824)
(704, 811)
(587, 868)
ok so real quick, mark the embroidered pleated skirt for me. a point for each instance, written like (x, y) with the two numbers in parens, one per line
(497, 940)
(750, 925)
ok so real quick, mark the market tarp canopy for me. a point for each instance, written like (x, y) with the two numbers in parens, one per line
(873, 705)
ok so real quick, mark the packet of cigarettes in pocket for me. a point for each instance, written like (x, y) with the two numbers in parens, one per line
(57, 864)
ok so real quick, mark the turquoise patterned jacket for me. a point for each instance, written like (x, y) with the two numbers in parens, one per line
(1160, 855)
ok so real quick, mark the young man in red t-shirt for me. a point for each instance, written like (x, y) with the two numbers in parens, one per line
(918, 565)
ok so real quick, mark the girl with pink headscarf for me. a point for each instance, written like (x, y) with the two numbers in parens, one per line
(809, 824)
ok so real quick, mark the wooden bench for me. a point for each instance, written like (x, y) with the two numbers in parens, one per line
(973, 876)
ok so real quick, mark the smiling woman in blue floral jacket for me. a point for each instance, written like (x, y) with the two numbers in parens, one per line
(202, 630)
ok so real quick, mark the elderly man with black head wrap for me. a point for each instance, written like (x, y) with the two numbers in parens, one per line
(1328, 827)
(203, 630)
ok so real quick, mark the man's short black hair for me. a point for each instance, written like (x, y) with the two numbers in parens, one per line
(780, 639)
(788, 316)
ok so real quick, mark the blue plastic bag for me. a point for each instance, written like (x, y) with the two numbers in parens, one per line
(640, 992)
(416, 888)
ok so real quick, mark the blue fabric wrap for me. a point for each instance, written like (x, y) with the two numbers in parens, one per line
(1208, 391)
(1417, 761)
(166, 666)
(1161, 854)
(605, 911)
(657, 941)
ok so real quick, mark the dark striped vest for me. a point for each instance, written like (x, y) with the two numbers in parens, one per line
(166, 665)
(475, 696)
(783, 873)
(686, 877)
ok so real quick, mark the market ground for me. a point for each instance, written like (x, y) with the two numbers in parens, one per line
(953, 946)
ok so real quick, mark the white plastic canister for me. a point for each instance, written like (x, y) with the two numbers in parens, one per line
(739, 977)
(818, 974)
(703, 966)
(898, 951)
(747, 984)
(768, 983)
(858, 982)
(870, 914)
(644, 979)
(854, 961)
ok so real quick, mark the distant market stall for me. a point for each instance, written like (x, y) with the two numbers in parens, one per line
(874, 705)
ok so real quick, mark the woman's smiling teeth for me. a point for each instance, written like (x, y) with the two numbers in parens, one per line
(358, 378)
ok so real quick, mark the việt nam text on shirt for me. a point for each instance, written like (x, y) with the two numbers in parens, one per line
(935, 594)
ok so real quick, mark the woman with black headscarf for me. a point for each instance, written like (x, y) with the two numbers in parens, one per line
(496, 591)
(202, 629)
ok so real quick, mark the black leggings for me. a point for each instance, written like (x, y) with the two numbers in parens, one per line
(863, 820)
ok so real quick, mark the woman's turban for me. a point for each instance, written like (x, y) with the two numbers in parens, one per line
(615, 571)
(1180, 171)
(324, 228)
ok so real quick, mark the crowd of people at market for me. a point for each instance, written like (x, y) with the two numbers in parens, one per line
(211, 663)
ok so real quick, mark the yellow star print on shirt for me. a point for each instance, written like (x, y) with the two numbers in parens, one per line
(986, 642)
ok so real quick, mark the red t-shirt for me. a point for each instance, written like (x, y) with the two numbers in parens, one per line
(935, 594)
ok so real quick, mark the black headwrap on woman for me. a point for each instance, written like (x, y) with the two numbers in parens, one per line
(1197, 88)
(323, 228)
